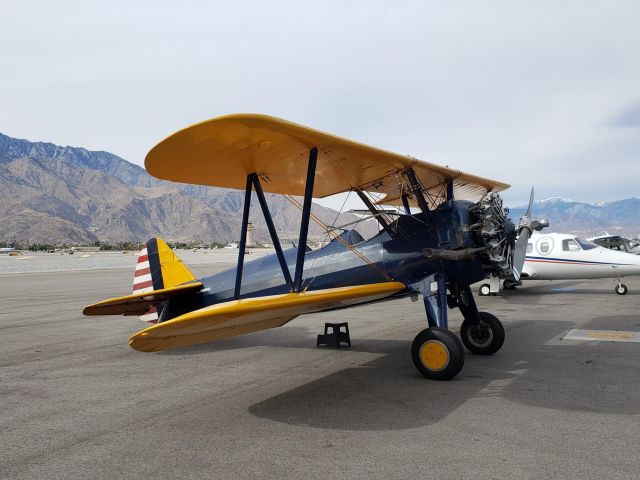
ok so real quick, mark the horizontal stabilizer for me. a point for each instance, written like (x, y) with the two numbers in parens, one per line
(248, 315)
(138, 303)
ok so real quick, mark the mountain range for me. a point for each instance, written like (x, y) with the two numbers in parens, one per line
(52, 194)
(620, 217)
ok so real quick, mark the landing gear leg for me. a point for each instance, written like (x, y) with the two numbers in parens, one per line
(437, 353)
(621, 288)
(481, 332)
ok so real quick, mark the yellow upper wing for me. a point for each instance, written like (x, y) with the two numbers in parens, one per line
(252, 314)
(222, 151)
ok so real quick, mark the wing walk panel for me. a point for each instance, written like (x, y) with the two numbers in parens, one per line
(221, 152)
(252, 314)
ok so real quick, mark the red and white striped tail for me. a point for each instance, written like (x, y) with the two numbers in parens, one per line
(143, 282)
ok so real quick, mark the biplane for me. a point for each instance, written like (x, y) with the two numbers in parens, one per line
(451, 232)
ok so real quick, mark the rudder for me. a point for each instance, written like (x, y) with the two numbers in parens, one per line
(158, 267)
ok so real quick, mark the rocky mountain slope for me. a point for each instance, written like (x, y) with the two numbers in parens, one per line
(567, 216)
(53, 194)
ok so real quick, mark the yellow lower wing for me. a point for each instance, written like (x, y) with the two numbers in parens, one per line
(252, 314)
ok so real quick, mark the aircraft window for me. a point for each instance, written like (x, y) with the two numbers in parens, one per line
(544, 246)
(633, 244)
(529, 248)
(570, 246)
(585, 245)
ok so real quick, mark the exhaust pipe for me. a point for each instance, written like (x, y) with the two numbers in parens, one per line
(454, 255)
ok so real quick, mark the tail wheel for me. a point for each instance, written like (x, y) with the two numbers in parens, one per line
(621, 289)
(485, 290)
(437, 354)
(485, 338)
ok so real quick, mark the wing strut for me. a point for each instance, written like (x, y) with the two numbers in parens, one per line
(449, 184)
(306, 213)
(243, 238)
(272, 231)
(417, 189)
(254, 182)
(376, 213)
(405, 203)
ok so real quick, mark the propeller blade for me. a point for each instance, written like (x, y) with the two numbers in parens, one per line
(528, 214)
(520, 252)
(524, 232)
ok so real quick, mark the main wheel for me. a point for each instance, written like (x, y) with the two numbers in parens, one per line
(486, 337)
(485, 290)
(437, 354)
(621, 289)
(507, 285)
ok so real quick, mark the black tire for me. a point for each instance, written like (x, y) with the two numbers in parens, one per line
(507, 285)
(483, 339)
(437, 353)
(621, 289)
(485, 290)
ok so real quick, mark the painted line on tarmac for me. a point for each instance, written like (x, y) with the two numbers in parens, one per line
(602, 335)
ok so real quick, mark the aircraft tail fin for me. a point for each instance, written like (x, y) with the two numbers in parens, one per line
(157, 268)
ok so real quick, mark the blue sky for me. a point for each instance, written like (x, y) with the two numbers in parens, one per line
(531, 93)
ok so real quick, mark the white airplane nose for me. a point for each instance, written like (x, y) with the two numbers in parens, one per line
(627, 263)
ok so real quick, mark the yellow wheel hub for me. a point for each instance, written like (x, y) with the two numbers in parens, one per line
(434, 355)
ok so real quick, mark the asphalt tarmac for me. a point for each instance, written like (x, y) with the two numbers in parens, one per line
(77, 402)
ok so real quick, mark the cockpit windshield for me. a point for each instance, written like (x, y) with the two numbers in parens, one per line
(586, 245)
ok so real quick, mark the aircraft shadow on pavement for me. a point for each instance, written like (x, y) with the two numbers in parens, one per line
(388, 394)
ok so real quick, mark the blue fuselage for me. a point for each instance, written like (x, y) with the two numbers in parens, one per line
(397, 256)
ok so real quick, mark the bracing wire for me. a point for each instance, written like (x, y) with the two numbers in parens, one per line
(340, 239)
(431, 197)
(329, 229)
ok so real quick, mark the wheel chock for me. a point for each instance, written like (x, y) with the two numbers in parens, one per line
(336, 337)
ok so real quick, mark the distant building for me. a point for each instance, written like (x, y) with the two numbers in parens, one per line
(86, 249)
(250, 230)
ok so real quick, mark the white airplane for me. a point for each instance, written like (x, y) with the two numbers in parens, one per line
(6, 249)
(616, 242)
(560, 256)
